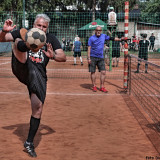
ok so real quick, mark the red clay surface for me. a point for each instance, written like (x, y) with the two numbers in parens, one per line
(76, 124)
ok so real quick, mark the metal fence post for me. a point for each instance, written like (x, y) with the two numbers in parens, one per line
(126, 45)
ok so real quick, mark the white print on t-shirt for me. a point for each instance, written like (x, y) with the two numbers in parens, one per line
(37, 57)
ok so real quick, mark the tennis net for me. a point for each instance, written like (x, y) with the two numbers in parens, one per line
(145, 86)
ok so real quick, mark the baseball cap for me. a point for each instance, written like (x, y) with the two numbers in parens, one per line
(111, 8)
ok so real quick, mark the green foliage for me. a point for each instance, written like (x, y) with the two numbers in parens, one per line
(150, 7)
(11, 5)
(117, 4)
(150, 11)
(50, 5)
(150, 18)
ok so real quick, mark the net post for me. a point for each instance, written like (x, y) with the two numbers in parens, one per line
(110, 52)
(129, 74)
(125, 84)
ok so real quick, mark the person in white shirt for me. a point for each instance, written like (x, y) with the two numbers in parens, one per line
(112, 20)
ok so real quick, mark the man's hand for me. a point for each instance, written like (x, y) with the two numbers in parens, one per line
(8, 25)
(49, 53)
(89, 60)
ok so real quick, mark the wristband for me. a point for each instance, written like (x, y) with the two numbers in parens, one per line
(112, 38)
(4, 31)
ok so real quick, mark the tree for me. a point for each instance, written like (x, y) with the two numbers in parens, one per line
(150, 7)
(103, 4)
(150, 11)
(11, 5)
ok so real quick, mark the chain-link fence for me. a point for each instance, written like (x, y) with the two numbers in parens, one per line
(67, 25)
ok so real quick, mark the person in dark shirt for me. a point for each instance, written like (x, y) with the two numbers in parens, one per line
(29, 66)
(143, 52)
(116, 46)
(152, 41)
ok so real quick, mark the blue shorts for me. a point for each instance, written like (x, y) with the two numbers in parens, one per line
(99, 62)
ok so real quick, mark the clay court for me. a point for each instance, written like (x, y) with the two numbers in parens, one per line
(77, 124)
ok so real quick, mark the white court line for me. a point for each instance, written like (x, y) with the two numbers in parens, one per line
(73, 70)
(78, 94)
(67, 94)
(9, 59)
(64, 69)
(4, 63)
(4, 69)
(152, 95)
(81, 94)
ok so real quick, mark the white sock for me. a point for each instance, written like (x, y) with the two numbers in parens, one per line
(74, 60)
(117, 59)
(81, 59)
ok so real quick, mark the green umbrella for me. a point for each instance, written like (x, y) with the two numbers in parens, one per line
(94, 24)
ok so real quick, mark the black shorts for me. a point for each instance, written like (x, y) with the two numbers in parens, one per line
(115, 53)
(30, 75)
(99, 62)
(143, 56)
(111, 28)
(77, 53)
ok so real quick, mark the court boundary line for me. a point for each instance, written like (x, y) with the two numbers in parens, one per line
(5, 63)
(68, 94)
(76, 94)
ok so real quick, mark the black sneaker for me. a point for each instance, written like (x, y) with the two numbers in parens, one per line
(30, 149)
(81, 63)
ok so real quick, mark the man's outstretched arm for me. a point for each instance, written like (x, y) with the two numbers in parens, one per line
(5, 35)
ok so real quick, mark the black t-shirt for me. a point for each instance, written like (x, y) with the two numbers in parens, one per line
(39, 59)
(152, 39)
(116, 45)
(143, 46)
